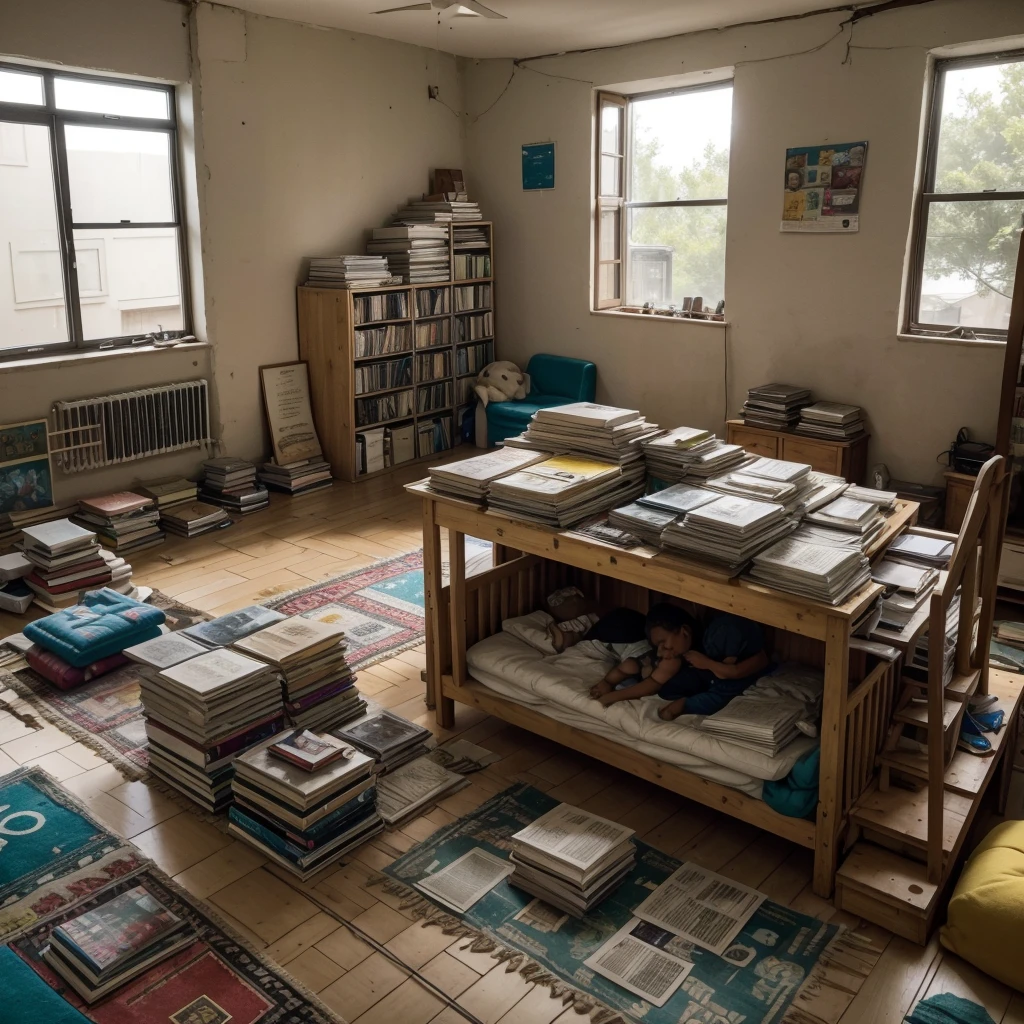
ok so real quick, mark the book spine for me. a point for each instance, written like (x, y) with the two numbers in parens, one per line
(265, 835)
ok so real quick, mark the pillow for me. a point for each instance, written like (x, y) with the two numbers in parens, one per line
(532, 629)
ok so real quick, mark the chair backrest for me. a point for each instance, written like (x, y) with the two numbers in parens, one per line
(575, 379)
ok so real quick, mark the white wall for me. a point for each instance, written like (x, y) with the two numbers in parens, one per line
(816, 310)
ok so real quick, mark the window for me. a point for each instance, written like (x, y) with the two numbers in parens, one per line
(970, 213)
(91, 241)
(662, 170)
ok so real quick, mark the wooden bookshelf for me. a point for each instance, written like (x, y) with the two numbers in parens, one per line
(328, 341)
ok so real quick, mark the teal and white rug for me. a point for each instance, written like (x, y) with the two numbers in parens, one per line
(794, 969)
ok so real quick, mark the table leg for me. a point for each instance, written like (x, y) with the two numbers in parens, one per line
(436, 628)
(457, 605)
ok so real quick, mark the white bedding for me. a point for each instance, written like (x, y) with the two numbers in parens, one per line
(557, 684)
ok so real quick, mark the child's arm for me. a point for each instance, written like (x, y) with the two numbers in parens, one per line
(663, 672)
(619, 674)
(730, 668)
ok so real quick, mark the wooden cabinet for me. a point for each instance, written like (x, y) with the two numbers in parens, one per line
(848, 459)
(958, 493)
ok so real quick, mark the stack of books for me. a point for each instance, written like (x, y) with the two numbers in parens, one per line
(776, 406)
(816, 571)
(168, 493)
(712, 458)
(227, 629)
(757, 721)
(564, 490)
(312, 474)
(67, 561)
(348, 272)
(303, 816)
(831, 421)
(470, 478)
(12, 523)
(414, 252)
(207, 710)
(389, 739)
(907, 590)
(319, 688)
(436, 210)
(664, 453)
(861, 519)
(99, 951)
(231, 484)
(571, 859)
(585, 428)
(193, 518)
(728, 531)
(124, 521)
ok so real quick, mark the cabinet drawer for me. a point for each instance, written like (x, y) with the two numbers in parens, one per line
(754, 441)
(825, 458)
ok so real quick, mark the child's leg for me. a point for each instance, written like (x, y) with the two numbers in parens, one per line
(684, 687)
(716, 696)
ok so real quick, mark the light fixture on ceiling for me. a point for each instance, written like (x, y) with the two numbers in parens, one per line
(458, 9)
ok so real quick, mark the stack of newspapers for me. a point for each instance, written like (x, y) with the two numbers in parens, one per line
(348, 272)
(776, 406)
(571, 858)
(415, 786)
(786, 483)
(831, 421)
(885, 500)
(817, 571)
(822, 488)
(761, 723)
(728, 531)
(565, 489)
(603, 431)
(712, 458)
(856, 522)
(469, 478)
(388, 738)
(319, 688)
(666, 453)
(649, 516)
(907, 590)
(201, 713)
(303, 819)
(921, 549)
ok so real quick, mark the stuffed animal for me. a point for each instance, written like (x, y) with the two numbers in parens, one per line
(501, 381)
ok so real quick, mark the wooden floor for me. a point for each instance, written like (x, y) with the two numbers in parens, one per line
(300, 541)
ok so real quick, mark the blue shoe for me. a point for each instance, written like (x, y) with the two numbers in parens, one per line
(973, 744)
(990, 721)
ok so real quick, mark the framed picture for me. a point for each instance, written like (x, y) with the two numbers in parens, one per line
(289, 413)
(26, 481)
(538, 166)
(822, 186)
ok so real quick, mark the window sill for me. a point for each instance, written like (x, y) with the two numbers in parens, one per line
(936, 339)
(660, 318)
(80, 356)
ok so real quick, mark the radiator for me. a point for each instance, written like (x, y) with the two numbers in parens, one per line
(109, 429)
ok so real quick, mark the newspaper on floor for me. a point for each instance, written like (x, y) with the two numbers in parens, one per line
(572, 836)
(405, 790)
(701, 906)
(463, 757)
(630, 961)
(466, 880)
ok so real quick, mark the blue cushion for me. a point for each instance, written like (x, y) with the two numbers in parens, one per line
(573, 379)
(506, 419)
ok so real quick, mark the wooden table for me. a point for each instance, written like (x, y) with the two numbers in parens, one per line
(856, 707)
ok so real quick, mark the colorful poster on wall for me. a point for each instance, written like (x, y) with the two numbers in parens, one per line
(538, 166)
(25, 481)
(822, 187)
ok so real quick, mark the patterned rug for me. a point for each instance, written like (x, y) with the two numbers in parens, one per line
(216, 979)
(106, 714)
(53, 852)
(784, 967)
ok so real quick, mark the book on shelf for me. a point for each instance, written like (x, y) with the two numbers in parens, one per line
(432, 301)
(371, 456)
(391, 373)
(434, 435)
(379, 341)
(473, 358)
(432, 397)
(382, 306)
(348, 272)
(370, 411)
(468, 267)
(474, 326)
(470, 297)
(433, 333)
(401, 442)
(433, 366)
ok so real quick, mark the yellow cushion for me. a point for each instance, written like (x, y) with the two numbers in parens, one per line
(986, 914)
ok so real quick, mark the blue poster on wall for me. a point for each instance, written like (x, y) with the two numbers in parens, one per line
(538, 166)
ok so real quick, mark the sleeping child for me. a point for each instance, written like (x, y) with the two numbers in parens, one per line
(698, 673)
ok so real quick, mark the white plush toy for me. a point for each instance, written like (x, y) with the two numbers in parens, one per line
(501, 381)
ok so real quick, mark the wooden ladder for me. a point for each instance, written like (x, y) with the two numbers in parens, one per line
(911, 824)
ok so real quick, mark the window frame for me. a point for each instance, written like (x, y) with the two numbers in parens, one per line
(55, 119)
(926, 195)
(623, 203)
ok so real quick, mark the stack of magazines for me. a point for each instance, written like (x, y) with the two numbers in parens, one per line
(712, 458)
(603, 431)
(415, 786)
(296, 477)
(414, 252)
(776, 406)
(768, 480)
(469, 478)
(319, 688)
(665, 453)
(921, 549)
(907, 590)
(728, 531)
(816, 571)
(207, 709)
(304, 818)
(571, 858)
(642, 521)
(348, 272)
(388, 738)
(831, 421)
(564, 490)
(885, 500)
(123, 521)
(99, 951)
(859, 520)
(231, 483)
(822, 488)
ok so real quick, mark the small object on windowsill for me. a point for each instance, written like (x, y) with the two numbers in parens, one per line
(648, 307)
